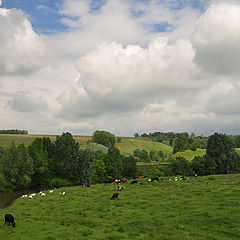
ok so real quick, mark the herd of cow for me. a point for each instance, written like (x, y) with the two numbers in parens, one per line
(124, 180)
(9, 219)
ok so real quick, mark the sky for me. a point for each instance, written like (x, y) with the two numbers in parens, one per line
(123, 66)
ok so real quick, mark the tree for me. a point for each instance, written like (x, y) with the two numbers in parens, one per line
(113, 163)
(143, 156)
(100, 172)
(86, 165)
(220, 149)
(17, 166)
(236, 140)
(136, 135)
(66, 157)
(39, 155)
(180, 166)
(153, 155)
(105, 138)
(198, 165)
(129, 167)
(181, 143)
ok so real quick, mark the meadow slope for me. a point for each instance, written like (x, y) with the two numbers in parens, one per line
(198, 208)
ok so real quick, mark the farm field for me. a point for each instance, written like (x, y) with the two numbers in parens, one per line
(6, 139)
(198, 208)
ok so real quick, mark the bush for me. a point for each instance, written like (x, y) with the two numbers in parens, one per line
(180, 166)
(154, 172)
(60, 182)
(5, 186)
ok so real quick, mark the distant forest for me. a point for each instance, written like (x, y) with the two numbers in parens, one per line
(13, 131)
(183, 141)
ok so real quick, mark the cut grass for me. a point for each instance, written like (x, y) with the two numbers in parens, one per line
(199, 208)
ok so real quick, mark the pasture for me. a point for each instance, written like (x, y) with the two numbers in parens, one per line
(189, 154)
(198, 208)
(6, 139)
(128, 145)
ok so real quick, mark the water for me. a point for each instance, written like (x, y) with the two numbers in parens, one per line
(7, 198)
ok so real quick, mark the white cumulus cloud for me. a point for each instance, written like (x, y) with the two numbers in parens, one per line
(22, 49)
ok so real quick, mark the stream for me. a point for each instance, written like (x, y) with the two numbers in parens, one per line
(7, 198)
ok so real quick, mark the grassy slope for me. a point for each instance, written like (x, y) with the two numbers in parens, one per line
(128, 145)
(199, 208)
(189, 154)
(6, 139)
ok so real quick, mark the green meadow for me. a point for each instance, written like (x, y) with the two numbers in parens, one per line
(189, 154)
(6, 139)
(198, 208)
(128, 145)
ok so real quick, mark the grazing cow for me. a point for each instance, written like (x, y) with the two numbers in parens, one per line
(134, 181)
(183, 178)
(120, 188)
(141, 177)
(85, 184)
(115, 195)
(124, 180)
(9, 219)
(117, 181)
(154, 179)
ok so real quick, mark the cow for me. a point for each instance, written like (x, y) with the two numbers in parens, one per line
(114, 196)
(141, 177)
(120, 188)
(124, 180)
(85, 184)
(9, 220)
(134, 181)
(154, 179)
(117, 181)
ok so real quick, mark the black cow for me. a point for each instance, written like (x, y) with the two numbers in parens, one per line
(115, 195)
(9, 219)
(154, 179)
(134, 181)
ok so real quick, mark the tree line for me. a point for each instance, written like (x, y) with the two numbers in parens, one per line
(13, 131)
(49, 164)
(220, 158)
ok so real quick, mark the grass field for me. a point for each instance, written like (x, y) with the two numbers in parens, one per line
(6, 139)
(199, 208)
(128, 145)
(189, 154)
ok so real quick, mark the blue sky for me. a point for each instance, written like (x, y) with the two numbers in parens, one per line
(43, 13)
(46, 18)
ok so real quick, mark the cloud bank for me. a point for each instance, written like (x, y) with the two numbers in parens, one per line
(123, 66)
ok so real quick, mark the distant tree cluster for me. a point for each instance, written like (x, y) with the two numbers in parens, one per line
(105, 138)
(143, 155)
(47, 164)
(13, 131)
(220, 158)
(180, 141)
